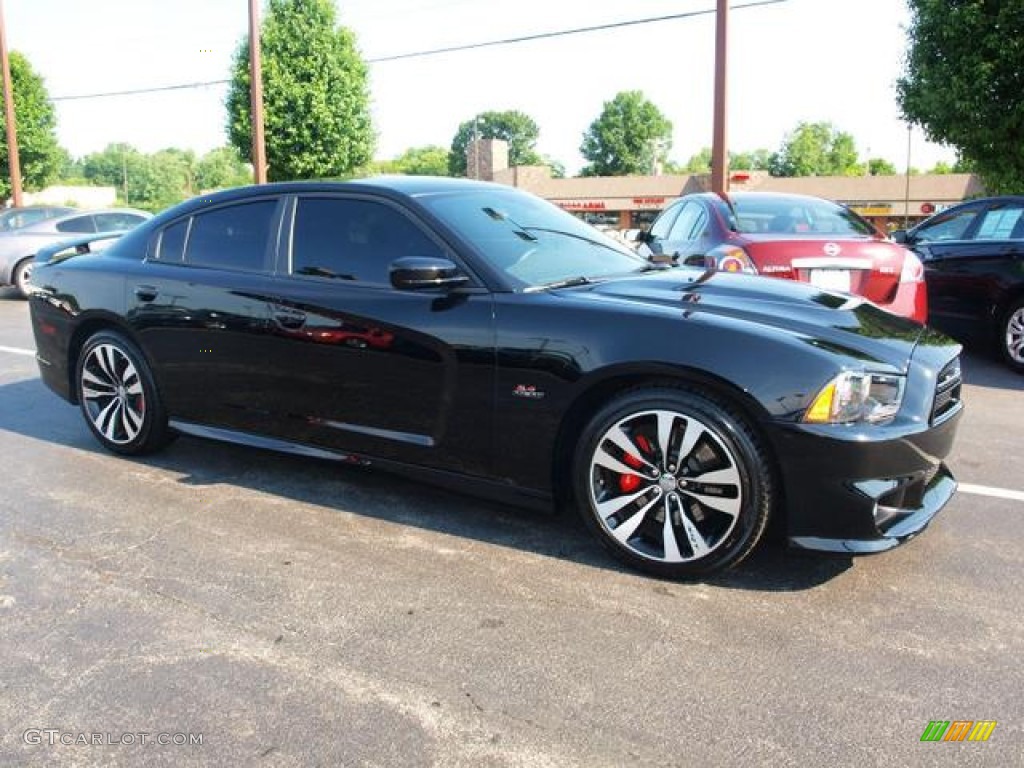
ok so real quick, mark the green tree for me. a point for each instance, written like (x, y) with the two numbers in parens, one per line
(879, 166)
(419, 161)
(315, 94)
(757, 160)
(39, 155)
(963, 80)
(517, 128)
(221, 168)
(152, 182)
(699, 163)
(631, 136)
(816, 149)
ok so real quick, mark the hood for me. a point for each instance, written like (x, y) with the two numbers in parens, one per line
(846, 324)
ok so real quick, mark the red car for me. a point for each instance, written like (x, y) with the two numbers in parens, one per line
(794, 236)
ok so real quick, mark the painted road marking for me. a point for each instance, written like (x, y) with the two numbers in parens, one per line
(16, 351)
(984, 490)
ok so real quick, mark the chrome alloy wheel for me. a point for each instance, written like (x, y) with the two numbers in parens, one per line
(1015, 336)
(665, 486)
(112, 395)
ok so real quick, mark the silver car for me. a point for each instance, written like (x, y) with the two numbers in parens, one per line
(18, 248)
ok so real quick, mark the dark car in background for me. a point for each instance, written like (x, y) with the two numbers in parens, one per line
(973, 256)
(16, 218)
(480, 337)
(18, 247)
(798, 237)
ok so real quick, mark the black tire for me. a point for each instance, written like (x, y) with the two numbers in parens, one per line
(1010, 339)
(21, 273)
(675, 437)
(118, 397)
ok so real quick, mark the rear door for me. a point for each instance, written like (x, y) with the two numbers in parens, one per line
(685, 239)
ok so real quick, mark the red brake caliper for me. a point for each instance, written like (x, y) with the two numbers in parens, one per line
(629, 483)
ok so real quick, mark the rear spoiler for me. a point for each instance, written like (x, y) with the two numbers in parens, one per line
(75, 246)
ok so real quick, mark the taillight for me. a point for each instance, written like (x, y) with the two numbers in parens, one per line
(729, 258)
(913, 269)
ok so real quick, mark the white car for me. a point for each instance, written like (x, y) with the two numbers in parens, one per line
(18, 248)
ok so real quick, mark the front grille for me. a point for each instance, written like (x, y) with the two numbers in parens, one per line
(947, 392)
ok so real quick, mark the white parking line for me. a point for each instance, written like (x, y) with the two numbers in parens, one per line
(17, 351)
(997, 493)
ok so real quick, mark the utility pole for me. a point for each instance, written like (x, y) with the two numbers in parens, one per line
(12, 131)
(259, 152)
(719, 150)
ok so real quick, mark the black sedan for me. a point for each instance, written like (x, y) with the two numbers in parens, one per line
(482, 338)
(973, 256)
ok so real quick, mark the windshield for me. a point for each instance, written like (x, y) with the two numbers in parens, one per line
(796, 216)
(532, 241)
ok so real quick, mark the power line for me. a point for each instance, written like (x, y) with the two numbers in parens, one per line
(450, 49)
(566, 32)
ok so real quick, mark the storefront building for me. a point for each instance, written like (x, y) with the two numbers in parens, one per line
(629, 202)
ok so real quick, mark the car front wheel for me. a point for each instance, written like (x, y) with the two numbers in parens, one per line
(118, 397)
(673, 482)
(1011, 336)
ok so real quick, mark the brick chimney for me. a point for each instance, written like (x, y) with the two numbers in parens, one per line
(485, 158)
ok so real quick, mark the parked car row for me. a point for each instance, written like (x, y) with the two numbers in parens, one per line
(23, 231)
(962, 270)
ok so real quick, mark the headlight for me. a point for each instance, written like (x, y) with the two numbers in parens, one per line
(854, 397)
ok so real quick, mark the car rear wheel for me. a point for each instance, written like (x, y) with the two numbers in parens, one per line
(1011, 336)
(673, 482)
(22, 273)
(118, 397)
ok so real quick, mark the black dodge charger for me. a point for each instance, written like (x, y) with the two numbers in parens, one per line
(477, 336)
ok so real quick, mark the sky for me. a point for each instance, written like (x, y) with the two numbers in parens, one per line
(792, 61)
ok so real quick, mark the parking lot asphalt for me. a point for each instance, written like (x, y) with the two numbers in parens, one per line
(286, 611)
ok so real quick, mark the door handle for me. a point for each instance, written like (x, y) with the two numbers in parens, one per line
(146, 292)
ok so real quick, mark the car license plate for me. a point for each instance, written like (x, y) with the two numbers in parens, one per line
(831, 279)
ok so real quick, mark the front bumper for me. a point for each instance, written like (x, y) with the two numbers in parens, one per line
(893, 524)
(868, 488)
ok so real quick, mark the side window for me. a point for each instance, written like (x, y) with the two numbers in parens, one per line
(950, 227)
(112, 222)
(998, 223)
(351, 239)
(172, 242)
(685, 227)
(663, 224)
(78, 225)
(234, 237)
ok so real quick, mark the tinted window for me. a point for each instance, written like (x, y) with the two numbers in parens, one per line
(663, 224)
(111, 222)
(951, 226)
(235, 237)
(691, 219)
(77, 224)
(172, 242)
(353, 239)
(998, 223)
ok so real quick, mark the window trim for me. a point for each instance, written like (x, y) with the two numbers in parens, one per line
(287, 244)
(271, 248)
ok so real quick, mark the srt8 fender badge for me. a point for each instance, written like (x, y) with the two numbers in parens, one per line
(529, 391)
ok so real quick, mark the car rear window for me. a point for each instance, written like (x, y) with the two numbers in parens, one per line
(781, 216)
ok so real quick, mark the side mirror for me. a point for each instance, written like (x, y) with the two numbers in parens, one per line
(643, 236)
(411, 273)
(899, 235)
